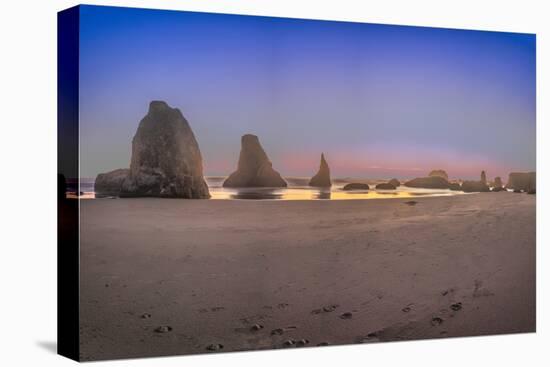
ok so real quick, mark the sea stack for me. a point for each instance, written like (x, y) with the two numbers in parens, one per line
(476, 186)
(522, 181)
(483, 178)
(254, 168)
(431, 182)
(166, 160)
(439, 173)
(322, 178)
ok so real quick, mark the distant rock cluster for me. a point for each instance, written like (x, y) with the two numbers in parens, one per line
(166, 162)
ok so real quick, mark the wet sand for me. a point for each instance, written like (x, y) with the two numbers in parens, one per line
(168, 276)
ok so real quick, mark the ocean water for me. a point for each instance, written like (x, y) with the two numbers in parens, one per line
(298, 189)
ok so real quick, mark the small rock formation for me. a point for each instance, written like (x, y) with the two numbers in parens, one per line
(322, 178)
(395, 182)
(524, 181)
(432, 182)
(497, 185)
(455, 186)
(474, 186)
(110, 183)
(356, 186)
(439, 173)
(385, 186)
(532, 192)
(254, 168)
(166, 160)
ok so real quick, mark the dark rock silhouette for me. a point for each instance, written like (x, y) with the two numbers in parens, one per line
(356, 186)
(439, 173)
(385, 186)
(497, 185)
(254, 168)
(61, 187)
(395, 182)
(432, 182)
(110, 183)
(476, 186)
(166, 160)
(532, 191)
(524, 181)
(455, 186)
(322, 178)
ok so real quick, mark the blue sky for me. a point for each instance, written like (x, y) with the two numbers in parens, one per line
(379, 101)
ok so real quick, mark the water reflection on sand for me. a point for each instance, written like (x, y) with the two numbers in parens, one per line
(308, 193)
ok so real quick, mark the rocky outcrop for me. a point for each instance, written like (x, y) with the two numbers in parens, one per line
(110, 183)
(497, 185)
(254, 168)
(385, 186)
(474, 186)
(395, 182)
(356, 186)
(483, 178)
(166, 160)
(322, 178)
(524, 181)
(432, 182)
(439, 173)
(455, 186)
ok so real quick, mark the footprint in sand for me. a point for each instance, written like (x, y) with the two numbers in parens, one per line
(406, 309)
(256, 327)
(411, 203)
(437, 321)
(214, 347)
(145, 316)
(282, 305)
(456, 306)
(288, 343)
(346, 316)
(323, 344)
(302, 342)
(163, 329)
(329, 308)
(281, 331)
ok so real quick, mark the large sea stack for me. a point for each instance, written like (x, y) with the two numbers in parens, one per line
(322, 178)
(166, 160)
(254, 168)
(525, 181)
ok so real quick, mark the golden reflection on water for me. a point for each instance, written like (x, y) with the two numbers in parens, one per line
(319, 194)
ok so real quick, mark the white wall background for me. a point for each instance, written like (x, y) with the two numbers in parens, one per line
(28, 149)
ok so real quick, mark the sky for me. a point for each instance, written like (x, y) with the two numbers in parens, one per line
(379, 101)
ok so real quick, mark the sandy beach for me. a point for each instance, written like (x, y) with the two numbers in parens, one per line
(314, 272)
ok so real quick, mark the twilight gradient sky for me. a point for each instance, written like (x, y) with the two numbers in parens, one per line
(379, 101)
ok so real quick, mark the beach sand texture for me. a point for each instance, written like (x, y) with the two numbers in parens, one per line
(168, 276)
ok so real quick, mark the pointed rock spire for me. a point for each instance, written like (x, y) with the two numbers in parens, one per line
(322, 178)
(254, 168)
